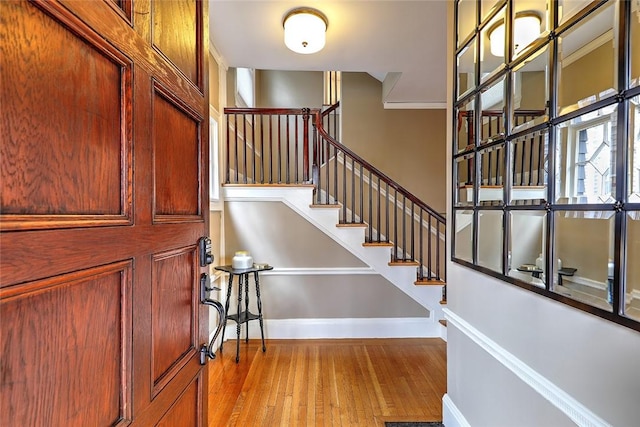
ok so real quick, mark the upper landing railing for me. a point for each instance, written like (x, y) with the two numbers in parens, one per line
(299, 146)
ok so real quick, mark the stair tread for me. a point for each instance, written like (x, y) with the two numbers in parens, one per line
(443, 322)
(322, 206)
(432, 282)
(351, 224)
(405, 263)
(384, 244)
(443, 302)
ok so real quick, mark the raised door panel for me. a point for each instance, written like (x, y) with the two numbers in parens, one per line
(175, 302)
(185, 411)
(66, 161)
(177, 149)
(183, 49)
(66, 349)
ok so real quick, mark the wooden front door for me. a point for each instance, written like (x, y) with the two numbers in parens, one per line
(104, 127)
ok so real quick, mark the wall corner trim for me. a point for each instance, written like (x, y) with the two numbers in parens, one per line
(451, 415)
(576, 411)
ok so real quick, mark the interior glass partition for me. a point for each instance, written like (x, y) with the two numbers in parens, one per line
(546, 150)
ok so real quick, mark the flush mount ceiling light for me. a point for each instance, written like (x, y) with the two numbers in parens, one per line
(526, 28)
(304, 30)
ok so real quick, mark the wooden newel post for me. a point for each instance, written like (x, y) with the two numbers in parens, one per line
(315, 171)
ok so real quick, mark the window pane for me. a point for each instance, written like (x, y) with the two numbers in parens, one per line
(584, 250)
(492, 175)
(584, 158)
(464, 235)
(634, 150)
(486, 6)
(529, 168)
(527, 237)
(466, 19)
(490, 240)
(632, 294)
(492, 103)
(526, 7)
(492, 55)
(465, 134)
(587, 61)
(568, 8)
(530, 83)
(467, 68)
(464, 174)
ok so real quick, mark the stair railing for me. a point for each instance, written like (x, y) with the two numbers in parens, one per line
(393, 216)
(273, 146)
(268, 145)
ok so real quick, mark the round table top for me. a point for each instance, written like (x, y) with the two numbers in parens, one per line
(253, 269)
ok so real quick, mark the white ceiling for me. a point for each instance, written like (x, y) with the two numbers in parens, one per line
(377, 37)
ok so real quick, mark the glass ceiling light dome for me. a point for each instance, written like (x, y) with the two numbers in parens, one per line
(304, 30)
(526, 28)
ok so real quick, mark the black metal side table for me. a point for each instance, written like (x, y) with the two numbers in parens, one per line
(243, 316)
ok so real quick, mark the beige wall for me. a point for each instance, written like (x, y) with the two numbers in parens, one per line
(533, 90)
(588, 75)
(231, 87)
(406, 145)
(289, 89)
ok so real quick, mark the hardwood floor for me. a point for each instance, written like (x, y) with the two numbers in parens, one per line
(354, 382)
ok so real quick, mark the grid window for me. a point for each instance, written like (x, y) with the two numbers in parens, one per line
(549, 170)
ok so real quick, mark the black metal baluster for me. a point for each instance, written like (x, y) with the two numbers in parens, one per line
(413, 221)
(295, 153)
(288, 148)
(386, 197)
(253, 143)
(404, 227)
(420, 245)
(244, 146)
(262, 149)
(335, 174)
(236, 150)
(344, 187)
(279, 149)
(362, 193)
(353, 191)
(370, 203)
(378, 222)
(271, 149)
(429, 255)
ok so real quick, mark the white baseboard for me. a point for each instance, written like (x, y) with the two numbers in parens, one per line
(406, 327)
(451, 415)
(577, 412)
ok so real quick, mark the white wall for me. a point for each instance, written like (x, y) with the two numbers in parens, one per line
(593, 361)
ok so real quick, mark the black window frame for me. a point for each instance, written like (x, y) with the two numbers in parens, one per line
(622, 98)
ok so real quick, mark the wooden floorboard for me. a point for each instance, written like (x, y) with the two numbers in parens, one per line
(351, 382)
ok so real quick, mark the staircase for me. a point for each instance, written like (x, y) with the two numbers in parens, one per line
(290, 156)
